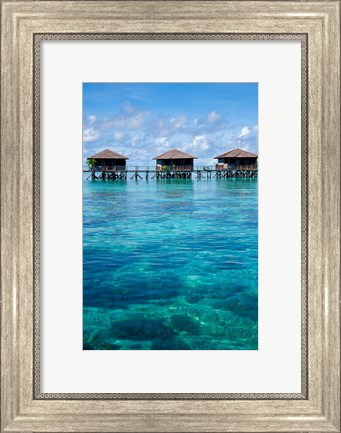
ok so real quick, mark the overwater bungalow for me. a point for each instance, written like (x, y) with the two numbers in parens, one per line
(107, 161)
(174, 160)
(237, 159)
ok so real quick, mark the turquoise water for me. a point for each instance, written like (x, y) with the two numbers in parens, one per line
(170, 264)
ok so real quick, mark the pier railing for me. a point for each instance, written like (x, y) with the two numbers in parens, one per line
(173, 168)
(109, 168)
(238, 167)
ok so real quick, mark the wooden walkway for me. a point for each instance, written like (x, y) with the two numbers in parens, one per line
(144, 173)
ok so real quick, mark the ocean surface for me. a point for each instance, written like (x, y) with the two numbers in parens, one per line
(170, 264)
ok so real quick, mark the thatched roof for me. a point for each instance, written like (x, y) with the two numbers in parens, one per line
(108, 154)
(175, 154)
(237, 153)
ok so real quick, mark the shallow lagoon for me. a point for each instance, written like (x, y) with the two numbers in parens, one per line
(170, 264)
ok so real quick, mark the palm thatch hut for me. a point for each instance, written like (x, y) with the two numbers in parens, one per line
(237, 159)
(175, 160)
(107, 160)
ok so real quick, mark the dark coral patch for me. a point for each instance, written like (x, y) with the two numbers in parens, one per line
(184, 323)
(140, 329)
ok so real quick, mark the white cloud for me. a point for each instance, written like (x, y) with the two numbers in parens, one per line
(127, 119)
(178, 122)
(90, 134)
(199, 143)
(127, 107)
(118, 135)
(160, 145)
(213, 116)
(162, 141)
(134, 139)
(244, 132)
(135, 121)
(91, 119)
(162, 126)
(211, 124)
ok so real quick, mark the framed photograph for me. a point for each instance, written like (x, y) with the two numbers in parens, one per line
(170, 216)
(160, 233)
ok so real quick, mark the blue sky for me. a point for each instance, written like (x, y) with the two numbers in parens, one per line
(143, 120)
